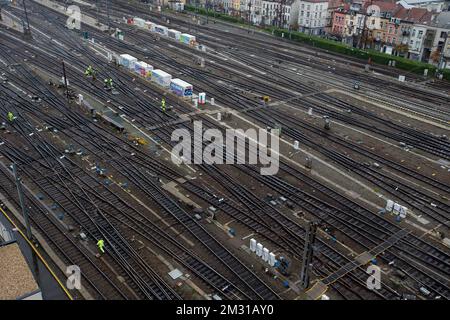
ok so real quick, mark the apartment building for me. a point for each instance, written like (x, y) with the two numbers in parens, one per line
(312, 17)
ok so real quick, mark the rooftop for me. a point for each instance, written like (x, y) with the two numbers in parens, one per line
(422, 1)
(415, 15)
(442, 20)
(383, 5)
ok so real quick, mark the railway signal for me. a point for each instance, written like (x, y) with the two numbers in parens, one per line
(327, 123)
(308, 164)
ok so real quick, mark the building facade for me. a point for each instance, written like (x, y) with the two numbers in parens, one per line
(312, 17)
(414, 29)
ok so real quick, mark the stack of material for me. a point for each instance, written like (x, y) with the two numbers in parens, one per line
(127, 61)
(162, 78)
(150, 26)
(164, 31)
(144, 69)
(187, 38)
(181, 88)
(174, 34)
(139, 22)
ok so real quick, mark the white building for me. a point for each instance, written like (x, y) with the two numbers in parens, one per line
(354, 26)
(227, 6)
(416, 40)
(273, 11)
(312, 17)
(441, 45)
(251, 10)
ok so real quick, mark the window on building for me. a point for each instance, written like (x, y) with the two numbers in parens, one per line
(307, 14)
(308, 7)
(420, 34)
(443, 34)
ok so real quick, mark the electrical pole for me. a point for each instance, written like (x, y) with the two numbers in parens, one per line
(22, 201)
(97, 5)
(248, 14)
(26, 26)
(65, 80)
(308, 252)
(107, 15)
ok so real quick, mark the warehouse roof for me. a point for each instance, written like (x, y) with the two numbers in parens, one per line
(16, 279)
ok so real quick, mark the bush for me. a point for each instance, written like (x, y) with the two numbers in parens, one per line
(447, 74)
(376, 56)
(211, 13)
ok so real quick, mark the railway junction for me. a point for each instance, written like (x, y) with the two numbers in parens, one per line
(358, 207)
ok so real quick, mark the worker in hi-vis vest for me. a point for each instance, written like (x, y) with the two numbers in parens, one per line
(89, 71)
(100, 245)
(163, 105)
(10, 116)
(108, 83)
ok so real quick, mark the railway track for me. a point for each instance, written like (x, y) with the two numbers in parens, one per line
(250, 281)
(158, 195)
(94, 277)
